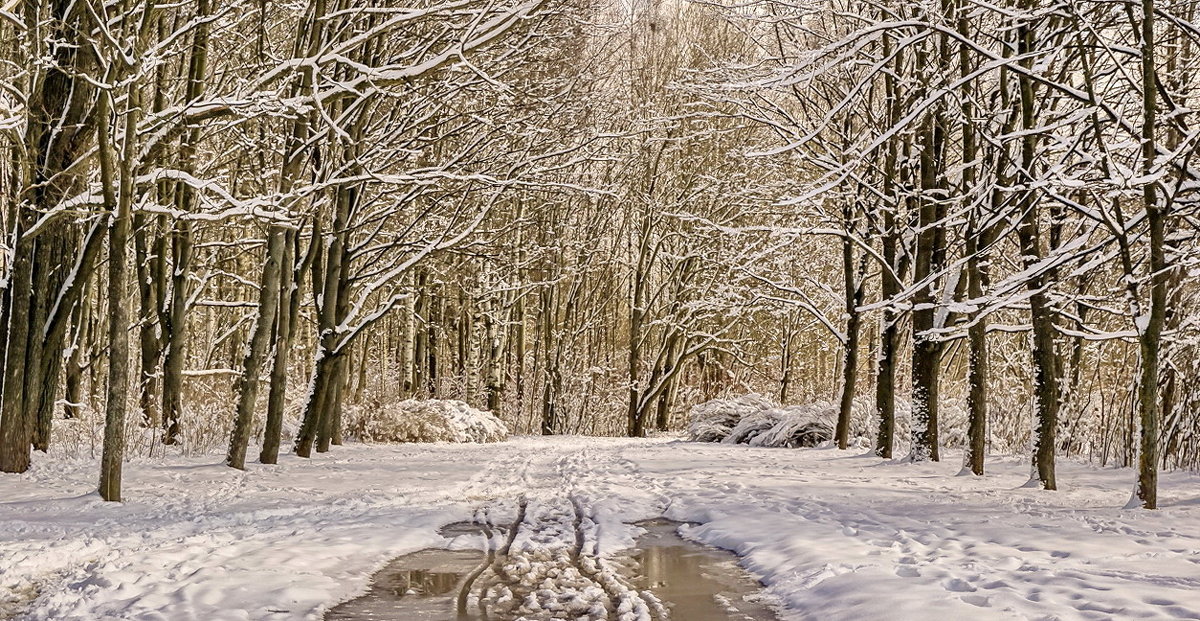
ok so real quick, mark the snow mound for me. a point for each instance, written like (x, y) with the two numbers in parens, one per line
(712, 421)
(431, 420)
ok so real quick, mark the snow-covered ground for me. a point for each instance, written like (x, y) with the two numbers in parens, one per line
(834, 535)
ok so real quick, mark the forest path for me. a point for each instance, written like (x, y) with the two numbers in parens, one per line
(833, 534)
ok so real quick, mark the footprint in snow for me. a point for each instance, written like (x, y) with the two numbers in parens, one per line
(958, 585)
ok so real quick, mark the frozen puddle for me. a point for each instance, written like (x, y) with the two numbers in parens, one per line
(666, 576)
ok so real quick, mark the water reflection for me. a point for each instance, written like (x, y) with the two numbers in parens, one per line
(418, 586)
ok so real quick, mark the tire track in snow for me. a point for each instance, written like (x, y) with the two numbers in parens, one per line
(555, 562)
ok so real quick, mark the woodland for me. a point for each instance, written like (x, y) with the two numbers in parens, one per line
(240, 227)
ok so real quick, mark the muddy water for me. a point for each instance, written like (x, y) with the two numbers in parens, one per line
(419, 586)
(694, 582)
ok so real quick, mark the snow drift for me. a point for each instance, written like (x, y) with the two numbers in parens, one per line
(432, 420)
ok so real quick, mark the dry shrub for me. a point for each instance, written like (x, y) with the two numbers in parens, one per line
(712, 421)
(432, 420)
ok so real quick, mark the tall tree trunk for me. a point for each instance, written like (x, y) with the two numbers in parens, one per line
(977, 360)
(1045, 360)
(854, 291)
(175, 328)
(1150, 325)
(80, 340)
(494, 350)
(285, 333)
(927, 349)
(977, 242)
(420, 333)
(318, 415)
(550, 414)
(121, 206)
(785, 359)
(889, 286)
(149, 265)
(257, 349)
(637, 313)
(60, 121)
(408, 335)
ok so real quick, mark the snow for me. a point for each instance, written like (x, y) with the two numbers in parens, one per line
(834, 534)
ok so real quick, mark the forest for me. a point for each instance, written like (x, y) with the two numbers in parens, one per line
(245, 226)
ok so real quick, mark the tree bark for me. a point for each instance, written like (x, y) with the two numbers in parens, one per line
(1150, 327)
(120, 205)
(268, 306)
(285, 333)
(1045, 360)
(175, 328)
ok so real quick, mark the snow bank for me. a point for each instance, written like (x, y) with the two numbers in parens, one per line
(433, 420)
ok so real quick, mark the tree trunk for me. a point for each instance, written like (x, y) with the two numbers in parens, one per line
(1045, 360)
(927, 349)
(118, 284)
(149, 265)
(175, 328)
(408, 334)
(889, 286)
(420, 334)
(1150, 327)
(977, 361)
(550, 422)
(285, 334)
(247, 389)
(854, 292)
(16, 428)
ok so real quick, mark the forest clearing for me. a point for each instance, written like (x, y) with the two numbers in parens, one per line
(888, 307)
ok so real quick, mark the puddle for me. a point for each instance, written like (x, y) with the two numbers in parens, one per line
(421, 585)
(459, 529)
(694, 582)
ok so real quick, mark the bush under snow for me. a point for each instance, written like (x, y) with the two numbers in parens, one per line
(712, 421)
(757, 421)
(789, 426)
(432, 420)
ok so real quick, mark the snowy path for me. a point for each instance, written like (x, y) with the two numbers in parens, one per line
(834, 535)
